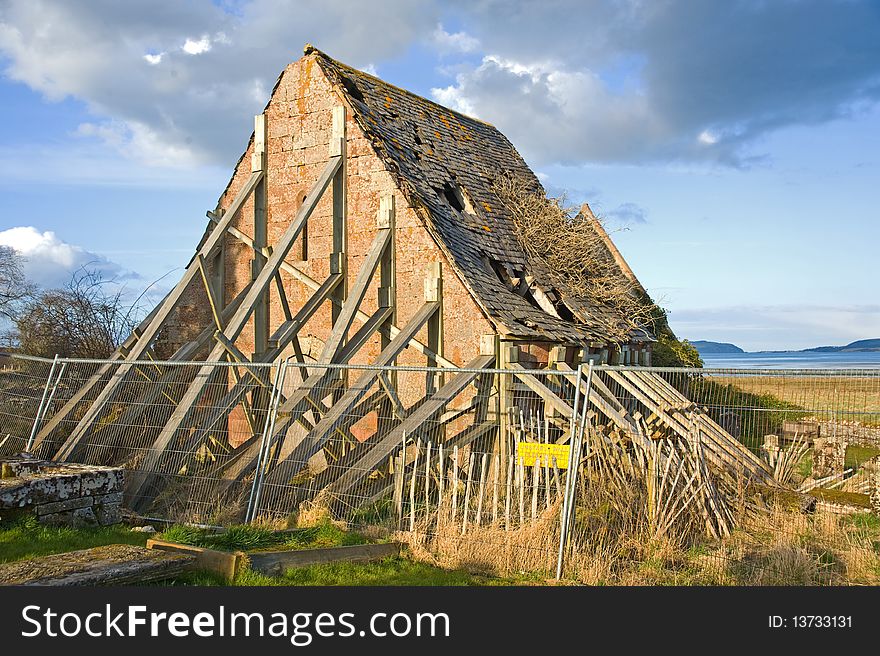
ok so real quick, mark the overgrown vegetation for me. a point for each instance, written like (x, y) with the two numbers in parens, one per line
(572, 246)
(88, 318)
(14, 287)
(672, 352)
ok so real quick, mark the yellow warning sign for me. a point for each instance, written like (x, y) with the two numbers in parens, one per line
(529, 452)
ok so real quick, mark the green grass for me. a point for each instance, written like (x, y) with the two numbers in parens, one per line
(856, 455)
(391, 571)
(256, 538)
(27, 538)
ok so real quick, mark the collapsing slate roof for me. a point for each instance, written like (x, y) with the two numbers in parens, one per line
(445, 164)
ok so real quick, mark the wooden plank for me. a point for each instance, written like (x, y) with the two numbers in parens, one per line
(718, 439)
(301, 402)
(531, 381)
(282, 338)
(465, 437)
(316, 438)
(73, 447)
(339, 211)
(226, 564)
(720, 460)
(713, 428)
(391, 331)
(276, 563)
(355, 296)
(52, 423)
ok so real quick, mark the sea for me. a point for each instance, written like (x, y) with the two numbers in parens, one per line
(793, 360)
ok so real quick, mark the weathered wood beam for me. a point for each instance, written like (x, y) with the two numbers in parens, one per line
(355, 296)
(417, 423)
(119, 354)
(339, 213)
(287, 333)
(717, 436)
(434, 292)
(72, 448)
(261, 237)
(140, 346)
(233, 328)
(308, 281)
(317, 437)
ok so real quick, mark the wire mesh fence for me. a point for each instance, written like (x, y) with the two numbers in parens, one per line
(685, 475)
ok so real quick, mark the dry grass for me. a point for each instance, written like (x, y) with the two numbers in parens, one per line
(620, 536)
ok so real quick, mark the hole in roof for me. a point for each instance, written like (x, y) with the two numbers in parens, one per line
(351, 88)
(548, 301)
(564, 312)
(456, 197)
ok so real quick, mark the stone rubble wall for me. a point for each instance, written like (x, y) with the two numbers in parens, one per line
(852, 432)
(61, 493)
(829, 457)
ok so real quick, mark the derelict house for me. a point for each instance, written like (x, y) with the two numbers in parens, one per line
(360, 227)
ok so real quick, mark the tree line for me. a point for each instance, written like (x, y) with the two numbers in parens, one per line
(88, 317)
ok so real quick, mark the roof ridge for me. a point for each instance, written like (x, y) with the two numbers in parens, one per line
(309, 49)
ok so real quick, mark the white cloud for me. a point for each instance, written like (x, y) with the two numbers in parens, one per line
(457, 42)
(192, 47)
(151, 149)
(572, 82)
(649, 77)
(179, 82)
(553, 114)
(49, 261)
(708, 138)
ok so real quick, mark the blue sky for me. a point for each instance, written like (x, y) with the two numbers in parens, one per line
(731, 147)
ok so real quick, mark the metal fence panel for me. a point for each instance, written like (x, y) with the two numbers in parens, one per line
(464, 464)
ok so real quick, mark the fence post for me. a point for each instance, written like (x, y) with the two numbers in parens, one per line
(578, 425)
(265, 442)
(43, 403)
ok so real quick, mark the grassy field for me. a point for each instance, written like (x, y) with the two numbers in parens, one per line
(25, 538)
(391, 571)
(854, 398)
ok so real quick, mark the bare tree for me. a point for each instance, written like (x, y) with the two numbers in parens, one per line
(14, 287)
(88, 318)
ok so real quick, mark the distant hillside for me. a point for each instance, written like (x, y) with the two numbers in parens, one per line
(708, 348)
(860, 345)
